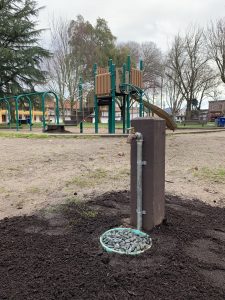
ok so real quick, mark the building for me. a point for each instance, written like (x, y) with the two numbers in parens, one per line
(37, 114)
(23, 115)
(216, 109)
(179, 116)
(103, 111)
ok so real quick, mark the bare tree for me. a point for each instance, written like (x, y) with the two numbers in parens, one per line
(63, 75)
(188, 66)
(153, 66)
(174, 97)
(215, 39)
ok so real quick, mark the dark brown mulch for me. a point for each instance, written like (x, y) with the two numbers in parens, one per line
(58, 256)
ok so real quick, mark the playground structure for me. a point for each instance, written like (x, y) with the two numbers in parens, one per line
(112, 86)
(125, 83)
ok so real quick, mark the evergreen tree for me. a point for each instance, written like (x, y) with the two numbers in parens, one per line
(20, 53)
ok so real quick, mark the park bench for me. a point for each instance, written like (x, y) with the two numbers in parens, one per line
(24, 121)
(55, 128)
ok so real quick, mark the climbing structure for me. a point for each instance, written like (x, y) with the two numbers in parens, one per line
(12, 104)
(125, 83)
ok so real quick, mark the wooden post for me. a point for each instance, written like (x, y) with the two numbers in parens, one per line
(153, 175)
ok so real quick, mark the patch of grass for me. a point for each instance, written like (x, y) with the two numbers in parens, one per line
(45, 136)
(124, 172)
(87, 180)
(74, 199)
(196, 126)
(120, 174)
(79, 181)
(216, 175)
(98, 173)
(23, 135)
(80, 206)
(2, 190)
(85, 211)
(88, 213)
(33, 190)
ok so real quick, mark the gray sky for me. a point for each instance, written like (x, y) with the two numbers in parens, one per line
(143, 20)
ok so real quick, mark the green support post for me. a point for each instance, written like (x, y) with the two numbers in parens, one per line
(43, 112)
(110, 117)
(124, 114)
(57, 108)
(30, 110)
(141, 107)
(110, 107)
(81, 103)
(128, 96)
(95, 100)
(124, 97)
(17, 116)
(128, 111)
(113, 94)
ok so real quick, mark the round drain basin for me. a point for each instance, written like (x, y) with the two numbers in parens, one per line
(125, 241)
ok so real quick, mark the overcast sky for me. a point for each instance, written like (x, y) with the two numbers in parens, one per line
(143, 20)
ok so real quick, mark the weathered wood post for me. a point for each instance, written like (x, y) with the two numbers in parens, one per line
(153, 172)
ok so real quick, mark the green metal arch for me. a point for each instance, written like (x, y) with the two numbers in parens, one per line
(27, 96)
(43, 107)
(17, 109)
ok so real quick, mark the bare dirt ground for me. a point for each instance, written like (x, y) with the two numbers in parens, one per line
(36, 173)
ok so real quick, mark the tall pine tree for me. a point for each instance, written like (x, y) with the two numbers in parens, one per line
(20, 53)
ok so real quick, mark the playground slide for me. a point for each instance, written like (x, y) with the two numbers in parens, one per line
(162, 114)
(159, 112)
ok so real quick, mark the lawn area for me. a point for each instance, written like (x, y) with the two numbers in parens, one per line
(196, 126)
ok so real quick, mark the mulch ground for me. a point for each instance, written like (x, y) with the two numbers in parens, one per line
(56, 254)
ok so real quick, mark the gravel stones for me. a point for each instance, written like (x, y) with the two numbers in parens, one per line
(125, 241)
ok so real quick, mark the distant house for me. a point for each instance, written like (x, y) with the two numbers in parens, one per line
(23, 114)
(37, 114)
(134, 113)
(179, 117)
(216, 109)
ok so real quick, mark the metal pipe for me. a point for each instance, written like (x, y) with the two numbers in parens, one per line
(139, 138)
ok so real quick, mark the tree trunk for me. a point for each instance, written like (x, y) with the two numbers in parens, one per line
(188, 110)
(62, 109)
